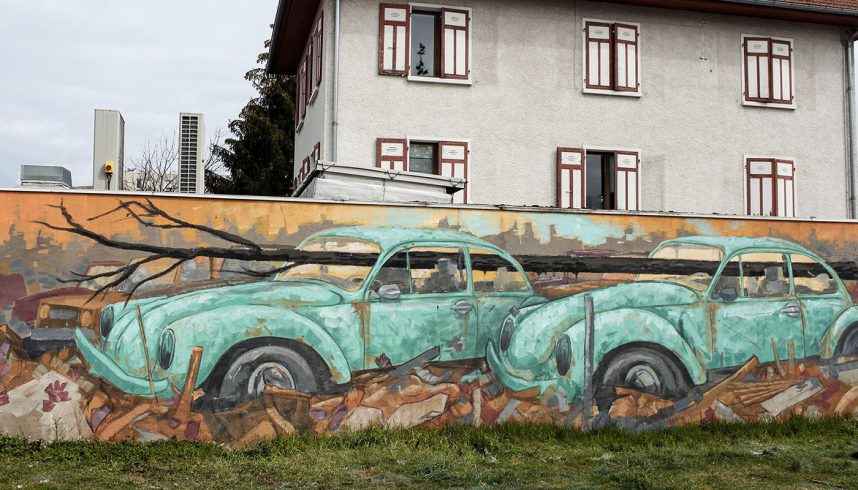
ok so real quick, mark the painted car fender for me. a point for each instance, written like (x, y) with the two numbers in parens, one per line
(828, 343)
(220, 329)
(625, 326)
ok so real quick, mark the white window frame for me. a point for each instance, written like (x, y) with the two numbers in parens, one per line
(639, 92)
(773, 105)
(612, 149)
(745, 179)
(450, 81)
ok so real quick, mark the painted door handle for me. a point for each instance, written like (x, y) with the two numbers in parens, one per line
(791, 310)
(463, 307)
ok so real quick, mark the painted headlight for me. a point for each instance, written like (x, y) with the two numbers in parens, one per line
(44, 312)
(563, 354)
(166, 346)
(106, 322)
(506, 334)
(86, 319)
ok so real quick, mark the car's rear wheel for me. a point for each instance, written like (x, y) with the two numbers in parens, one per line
(644, 369)
(271, 365)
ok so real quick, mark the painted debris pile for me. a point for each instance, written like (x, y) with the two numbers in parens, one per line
(53, 398)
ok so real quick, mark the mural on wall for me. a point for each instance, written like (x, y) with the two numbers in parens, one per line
(239, 320)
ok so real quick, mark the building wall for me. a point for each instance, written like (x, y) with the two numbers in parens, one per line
(526, 100)
(316, 123)
(108, 146)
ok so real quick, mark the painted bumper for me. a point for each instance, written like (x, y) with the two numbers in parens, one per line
(104, 367)
(507, 375)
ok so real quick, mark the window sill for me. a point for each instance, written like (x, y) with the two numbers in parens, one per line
(450, 81)
(299, 126)
(313, 95)
(750, 103)
(596, 91)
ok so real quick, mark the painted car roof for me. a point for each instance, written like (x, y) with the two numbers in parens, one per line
(391, 236)
(730, 245)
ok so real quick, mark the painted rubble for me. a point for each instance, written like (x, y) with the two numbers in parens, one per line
(210, 347)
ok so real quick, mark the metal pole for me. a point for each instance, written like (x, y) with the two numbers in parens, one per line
(336, 83)
(589, 331)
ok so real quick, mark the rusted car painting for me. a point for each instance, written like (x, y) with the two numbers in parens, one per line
(751, 297)
(314, 325)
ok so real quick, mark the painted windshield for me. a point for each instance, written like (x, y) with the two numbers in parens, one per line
(697, 276)
(348, 277)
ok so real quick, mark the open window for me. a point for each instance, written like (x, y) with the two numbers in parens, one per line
(598, 179)
(768, 71)
(424, 42)
(444, 158)
(770, 187)
(611, 57)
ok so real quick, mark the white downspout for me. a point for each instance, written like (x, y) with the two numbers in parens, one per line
(336, 82)
(850, 121)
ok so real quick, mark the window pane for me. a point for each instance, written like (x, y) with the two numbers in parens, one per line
(595, 198)
(810, 277)
(437, 270)
(493, 273)
(764, 275)
(421, 157)
(394, 271)
(730, 277)
(424, 45)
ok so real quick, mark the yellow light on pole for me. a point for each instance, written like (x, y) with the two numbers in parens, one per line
(108, 172)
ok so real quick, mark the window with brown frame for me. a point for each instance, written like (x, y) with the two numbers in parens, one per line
(770, 187)
(768, 70)
(444, 158)
(317, 49)
(611, 56)
(595, 179)
(424, 42)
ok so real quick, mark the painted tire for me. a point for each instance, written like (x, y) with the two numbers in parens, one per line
(849, 344)
(274, 365)
(647, 370)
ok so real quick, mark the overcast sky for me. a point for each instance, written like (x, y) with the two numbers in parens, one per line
(61, 59)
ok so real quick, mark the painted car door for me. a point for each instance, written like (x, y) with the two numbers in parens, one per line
(765, 315)
(821, 296)
(498, 287)
(433, 308)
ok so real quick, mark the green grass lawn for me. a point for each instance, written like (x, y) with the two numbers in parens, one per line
(797, 453)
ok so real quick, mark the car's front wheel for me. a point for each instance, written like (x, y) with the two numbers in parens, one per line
(644, 369)
(849, 344)
(271, 365)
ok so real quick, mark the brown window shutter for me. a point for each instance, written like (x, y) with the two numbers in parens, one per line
(318, 51)
(455, 26)
(758, 69)
(453, 163)
(317, 152)
(761, 186)
(625, 54)
(391, 154)
(781, 71)
(784, 189)
(302, 81)
(570, 178)
(597, 55)
(394, 23)
(627, 180)
(297, 115)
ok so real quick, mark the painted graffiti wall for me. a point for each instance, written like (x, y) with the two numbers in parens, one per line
(236, 320)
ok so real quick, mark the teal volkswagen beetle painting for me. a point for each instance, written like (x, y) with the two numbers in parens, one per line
(664, 334)
(314, 324)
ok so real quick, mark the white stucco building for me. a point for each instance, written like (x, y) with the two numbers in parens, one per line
(735, 107)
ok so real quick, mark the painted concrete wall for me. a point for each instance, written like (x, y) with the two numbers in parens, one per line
(526, 100)
(101, 383)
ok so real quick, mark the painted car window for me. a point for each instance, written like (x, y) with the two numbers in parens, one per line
(394, 271)
(810, 277)
(198, 269)
(148, 270)
(698, 279)
(437, 270)
(348, 277)
(493, 273)
(99, 282)
(730, 278)
(764, 275)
